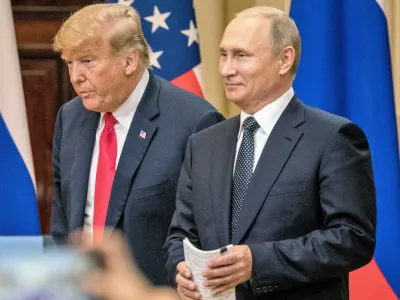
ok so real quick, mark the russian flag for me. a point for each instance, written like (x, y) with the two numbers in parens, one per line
(170, 29)
(18, 204)
(345, 68)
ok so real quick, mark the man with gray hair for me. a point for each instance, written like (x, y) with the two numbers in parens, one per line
(118, 146)
(289, 185)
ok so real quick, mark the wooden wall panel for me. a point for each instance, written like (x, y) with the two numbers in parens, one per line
(46, 84)
(40, 79)
(59, 3)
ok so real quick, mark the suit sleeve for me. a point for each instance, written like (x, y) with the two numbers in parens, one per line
(182, 224)
(58, 221)
(346, 240)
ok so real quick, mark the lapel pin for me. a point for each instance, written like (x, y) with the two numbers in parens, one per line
(142, 134)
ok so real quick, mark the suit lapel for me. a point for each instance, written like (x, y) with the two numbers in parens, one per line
(221, 179)
(281, 143)
(135, 147)
(81, 168)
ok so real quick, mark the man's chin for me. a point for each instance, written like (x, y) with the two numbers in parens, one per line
(234, 98)
(91, 104)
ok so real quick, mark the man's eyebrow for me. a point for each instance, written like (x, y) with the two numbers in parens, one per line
(234, 50)
(237, 50)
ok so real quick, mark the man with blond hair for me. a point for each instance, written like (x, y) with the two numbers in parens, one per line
(118, 146)
(289, 185)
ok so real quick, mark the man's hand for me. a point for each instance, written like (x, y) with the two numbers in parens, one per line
(187, 289)
(229, 270)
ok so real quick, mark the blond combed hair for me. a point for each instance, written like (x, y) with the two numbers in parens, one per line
(119, 24)
(284, 31)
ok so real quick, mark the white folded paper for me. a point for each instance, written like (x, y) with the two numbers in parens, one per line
(197, 260)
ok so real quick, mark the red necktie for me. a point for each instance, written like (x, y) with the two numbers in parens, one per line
(104, 175)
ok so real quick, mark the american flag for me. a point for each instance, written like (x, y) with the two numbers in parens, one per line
(142, 134)
(171, 30)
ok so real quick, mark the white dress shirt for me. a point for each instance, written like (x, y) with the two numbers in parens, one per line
(266, 118)
(124, 115)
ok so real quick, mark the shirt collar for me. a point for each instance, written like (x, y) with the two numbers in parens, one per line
(124, 114)
(269, 114)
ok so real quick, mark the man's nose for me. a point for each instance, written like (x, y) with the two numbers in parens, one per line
(76, 73)
(227, 68)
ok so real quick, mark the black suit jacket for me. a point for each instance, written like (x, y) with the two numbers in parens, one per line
(309, 213)
(142, 199)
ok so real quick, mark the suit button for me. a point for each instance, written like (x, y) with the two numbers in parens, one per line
(275, 287)
(265, 289)
(270, 288)
(258, 290)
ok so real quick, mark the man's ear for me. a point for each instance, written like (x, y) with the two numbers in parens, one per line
(286, 59)
(131, 62)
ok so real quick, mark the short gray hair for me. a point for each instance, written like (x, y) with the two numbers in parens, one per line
(284, 31)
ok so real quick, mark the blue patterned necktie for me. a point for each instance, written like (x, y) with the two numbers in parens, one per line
(243, 169)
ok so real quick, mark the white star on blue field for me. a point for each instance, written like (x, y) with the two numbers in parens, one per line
(171, 31)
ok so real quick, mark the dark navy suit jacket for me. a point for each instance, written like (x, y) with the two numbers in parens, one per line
(309, 213)
(142, 200)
